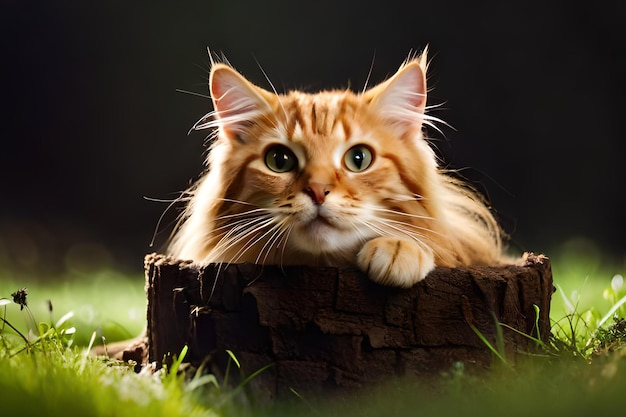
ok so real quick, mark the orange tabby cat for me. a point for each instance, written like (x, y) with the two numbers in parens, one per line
(332, 178)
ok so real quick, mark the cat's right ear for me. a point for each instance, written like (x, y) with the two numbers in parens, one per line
(237, 102)
(401, 100)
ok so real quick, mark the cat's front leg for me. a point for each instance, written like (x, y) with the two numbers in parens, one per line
(395, 262)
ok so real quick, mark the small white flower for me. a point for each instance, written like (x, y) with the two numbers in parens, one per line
(617, 282)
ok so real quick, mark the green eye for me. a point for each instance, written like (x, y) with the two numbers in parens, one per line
(279, 159)
(358, 158)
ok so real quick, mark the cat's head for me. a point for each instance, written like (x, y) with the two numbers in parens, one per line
(319, 174)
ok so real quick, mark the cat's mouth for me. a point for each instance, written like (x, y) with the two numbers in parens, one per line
(325, 233)
(321, 220)
(319, 224)
(320, 230)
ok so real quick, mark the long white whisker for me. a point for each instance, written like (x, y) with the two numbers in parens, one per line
(374, 208)
(244, 214)
(400, 213)
(369, 74)
(375, 229)
(400, 197)
(277, 231)
(396, 228)
(283, 242)
(171, 204)
(169, 200)
(272, 87)
(239, 233)
(405, 224)
(193, 93)
(355, 222)
(267, 246)
(238, 225)
(245, 203)
(396, 225)
(251, 243)
(247, 228)
(389, 230)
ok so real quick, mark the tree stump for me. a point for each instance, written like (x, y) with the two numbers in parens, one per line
(329, 329)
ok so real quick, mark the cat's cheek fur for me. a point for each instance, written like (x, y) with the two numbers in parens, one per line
(395, 262)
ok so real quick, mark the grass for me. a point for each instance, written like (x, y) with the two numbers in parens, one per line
(45, 369)
(107, 302)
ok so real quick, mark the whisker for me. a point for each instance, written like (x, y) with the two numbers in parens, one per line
(400, 213)
(369, 74)
(193, 93)
(169, 200)
(231, 200)
(236, 232)
(399, 197)
(243, 231)
(171, 204)
(277, 231)
(242, 214)
(273, 89)
(416, 237)
(251, 243)
(401, 227)
(375, 229)
(374, 208)
(267, 246)
(283, 241)
(239, 224)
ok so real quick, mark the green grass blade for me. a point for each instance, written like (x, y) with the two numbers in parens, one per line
(233, 358)
(488, 344)
(612, 311)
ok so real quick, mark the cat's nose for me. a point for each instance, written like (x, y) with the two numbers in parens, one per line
(318, 191)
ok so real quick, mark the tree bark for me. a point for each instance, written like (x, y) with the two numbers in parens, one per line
(328, 329)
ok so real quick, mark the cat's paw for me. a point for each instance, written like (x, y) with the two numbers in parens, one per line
(395, 262)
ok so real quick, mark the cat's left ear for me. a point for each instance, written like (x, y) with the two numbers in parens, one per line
(401, 100)
(237, 102)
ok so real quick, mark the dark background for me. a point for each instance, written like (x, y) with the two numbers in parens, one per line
(92, 121)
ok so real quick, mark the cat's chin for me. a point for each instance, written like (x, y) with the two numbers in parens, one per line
(320, 236)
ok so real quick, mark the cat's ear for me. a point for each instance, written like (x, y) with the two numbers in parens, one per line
(237, 102)
(401, 100)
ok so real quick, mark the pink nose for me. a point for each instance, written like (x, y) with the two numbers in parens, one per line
(317, 192)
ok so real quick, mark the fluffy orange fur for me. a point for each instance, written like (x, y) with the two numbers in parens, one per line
(333, 178)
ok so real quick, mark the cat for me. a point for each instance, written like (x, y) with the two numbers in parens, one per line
(335, 178)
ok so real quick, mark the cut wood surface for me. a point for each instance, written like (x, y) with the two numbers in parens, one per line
(325, 329)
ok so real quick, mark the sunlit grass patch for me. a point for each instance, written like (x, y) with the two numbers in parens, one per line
(52, 379)
(44, 373)
(590, 298)
(111, 304)
(581, 274)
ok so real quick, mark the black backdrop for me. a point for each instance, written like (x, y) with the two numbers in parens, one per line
(92, 120)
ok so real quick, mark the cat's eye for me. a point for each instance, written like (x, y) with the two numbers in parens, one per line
(279, 159)
(358, 158)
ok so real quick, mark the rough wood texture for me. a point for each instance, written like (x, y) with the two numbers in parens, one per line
(326, 328)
